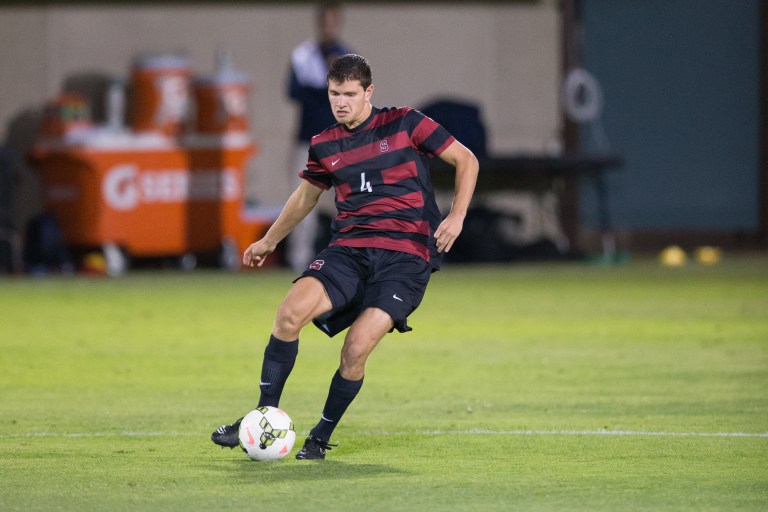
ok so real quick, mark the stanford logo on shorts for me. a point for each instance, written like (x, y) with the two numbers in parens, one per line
(317, 264)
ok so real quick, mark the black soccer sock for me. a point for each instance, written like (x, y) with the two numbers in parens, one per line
(340, 395)
(279, 357)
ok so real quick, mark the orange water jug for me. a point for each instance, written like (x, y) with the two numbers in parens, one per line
(160, 94)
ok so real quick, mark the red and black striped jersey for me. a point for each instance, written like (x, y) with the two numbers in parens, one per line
(379, 170)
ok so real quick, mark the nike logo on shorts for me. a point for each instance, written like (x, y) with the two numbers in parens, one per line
(397, 298)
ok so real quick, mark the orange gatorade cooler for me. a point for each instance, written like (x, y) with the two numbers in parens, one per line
(155, 191)
(221, 103)
(148, 201)
(160, 100)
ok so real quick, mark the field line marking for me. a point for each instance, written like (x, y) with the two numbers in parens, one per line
(599, 432)
(470, 432)
(97, 434)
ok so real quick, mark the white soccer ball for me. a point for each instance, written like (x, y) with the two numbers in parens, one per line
(266, 433)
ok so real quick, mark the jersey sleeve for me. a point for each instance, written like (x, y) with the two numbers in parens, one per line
(427, 135)
(315, 173)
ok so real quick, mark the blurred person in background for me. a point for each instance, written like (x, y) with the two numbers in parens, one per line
(307, 86)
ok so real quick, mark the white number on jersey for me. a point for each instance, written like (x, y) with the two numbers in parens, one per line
(364, 185)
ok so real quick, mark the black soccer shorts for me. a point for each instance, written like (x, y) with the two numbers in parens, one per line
(360, 278)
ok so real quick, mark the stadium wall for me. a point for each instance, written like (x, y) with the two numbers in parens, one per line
(504, 57)
(683, 100)
(690, 172)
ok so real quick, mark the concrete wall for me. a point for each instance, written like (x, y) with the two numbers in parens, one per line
(505, 57)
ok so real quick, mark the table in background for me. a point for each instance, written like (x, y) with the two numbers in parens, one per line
(540, 173)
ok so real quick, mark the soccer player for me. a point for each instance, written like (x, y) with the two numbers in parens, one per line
(387, 239)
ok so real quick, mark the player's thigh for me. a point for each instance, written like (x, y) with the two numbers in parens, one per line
(305, 300)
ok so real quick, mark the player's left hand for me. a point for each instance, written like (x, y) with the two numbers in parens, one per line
(448, 231)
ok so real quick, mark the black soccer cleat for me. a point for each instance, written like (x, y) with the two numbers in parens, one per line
(314, 449)
(227, 435)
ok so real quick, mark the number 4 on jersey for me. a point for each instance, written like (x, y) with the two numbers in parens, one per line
(364, 185)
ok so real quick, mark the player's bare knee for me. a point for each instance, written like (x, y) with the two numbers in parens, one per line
(289, 322)
(353, 358)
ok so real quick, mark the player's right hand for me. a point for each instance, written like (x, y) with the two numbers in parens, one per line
(256, 254)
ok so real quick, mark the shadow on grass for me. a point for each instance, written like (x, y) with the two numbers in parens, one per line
(307, 470)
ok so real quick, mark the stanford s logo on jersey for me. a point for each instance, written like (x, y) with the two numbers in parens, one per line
(384, 146)
(317, 264)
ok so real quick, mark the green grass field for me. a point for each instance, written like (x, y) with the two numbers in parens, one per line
(535, 387)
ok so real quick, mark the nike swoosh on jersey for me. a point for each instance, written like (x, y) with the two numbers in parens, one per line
(335, 161)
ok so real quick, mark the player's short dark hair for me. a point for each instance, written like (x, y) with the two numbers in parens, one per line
(351, 67)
